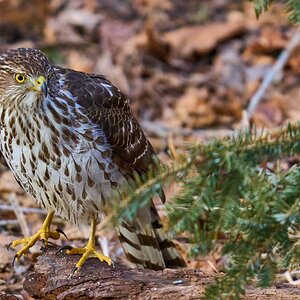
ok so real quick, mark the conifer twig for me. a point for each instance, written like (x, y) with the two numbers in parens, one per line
(137, 191)
(278, 66)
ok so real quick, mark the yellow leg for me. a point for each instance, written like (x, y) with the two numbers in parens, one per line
(89, 250)
(43, 234)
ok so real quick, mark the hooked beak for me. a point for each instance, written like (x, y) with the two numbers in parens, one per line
(40, 85)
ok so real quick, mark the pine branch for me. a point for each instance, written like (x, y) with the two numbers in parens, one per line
(261, 6)
(293, 9)
(140, 191)
(291, 6)
(225, 190)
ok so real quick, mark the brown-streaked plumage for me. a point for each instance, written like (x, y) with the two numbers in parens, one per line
(71, 141)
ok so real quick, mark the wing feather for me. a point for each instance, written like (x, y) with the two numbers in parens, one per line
(109, 108)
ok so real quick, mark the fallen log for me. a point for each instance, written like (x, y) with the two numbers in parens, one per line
(52, 279)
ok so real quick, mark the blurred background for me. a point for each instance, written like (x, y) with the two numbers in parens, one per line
(190, 67)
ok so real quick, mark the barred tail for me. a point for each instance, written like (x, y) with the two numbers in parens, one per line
(170, 254)
(146, 245)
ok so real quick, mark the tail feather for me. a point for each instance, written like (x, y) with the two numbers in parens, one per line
(146, 245)
(140, 246)
(170, 254)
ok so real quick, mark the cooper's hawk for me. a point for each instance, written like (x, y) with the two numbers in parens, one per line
(71, 140)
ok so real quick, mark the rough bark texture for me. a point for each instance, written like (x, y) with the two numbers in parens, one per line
(51, 280)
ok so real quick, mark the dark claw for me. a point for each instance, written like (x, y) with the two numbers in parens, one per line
(66, 247)
(44, 242)
(51, 244)
(60, 231)
(44, 247)
(47, 243)
(8, 246)
(14, 259)
(73, 272)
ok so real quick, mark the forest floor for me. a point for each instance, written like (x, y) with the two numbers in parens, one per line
(190, 69)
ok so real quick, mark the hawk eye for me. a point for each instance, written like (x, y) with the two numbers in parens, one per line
(20, 78)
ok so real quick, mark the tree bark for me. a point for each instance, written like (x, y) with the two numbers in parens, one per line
(52, 279)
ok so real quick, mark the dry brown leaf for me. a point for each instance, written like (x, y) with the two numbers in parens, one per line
(154, 44)
(115, 34)
(71, 26)
(22, 17)
(190, 40)
(270, 113)
(146, 6)
(80, 62)
(193, 109)
(270, 39)
(230, 70)
(294, 60)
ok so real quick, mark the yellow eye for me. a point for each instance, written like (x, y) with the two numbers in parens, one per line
(20, 78)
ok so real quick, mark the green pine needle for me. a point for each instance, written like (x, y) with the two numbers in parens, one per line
(291, 6)
(224, 190)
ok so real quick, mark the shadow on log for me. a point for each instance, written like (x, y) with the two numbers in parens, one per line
(51, 279)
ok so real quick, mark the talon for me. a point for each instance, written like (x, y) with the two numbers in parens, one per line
(66, 247)
(42, 234)
(16, 257)
(8, 246)
(61, 231)
(75, 270)
(51, 244)
(45, 243)
(89, 250)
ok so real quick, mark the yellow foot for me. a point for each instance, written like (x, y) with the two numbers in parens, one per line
(86, 253)
(41, 234)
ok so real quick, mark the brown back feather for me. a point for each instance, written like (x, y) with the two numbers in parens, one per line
(109, 108)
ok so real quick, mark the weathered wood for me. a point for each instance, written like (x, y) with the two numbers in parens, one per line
(52, 279)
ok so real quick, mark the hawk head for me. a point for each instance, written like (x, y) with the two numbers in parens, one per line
(23, 76)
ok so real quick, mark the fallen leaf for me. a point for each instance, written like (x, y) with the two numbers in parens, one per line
(190, 40)
(270, 39)
(193, 109)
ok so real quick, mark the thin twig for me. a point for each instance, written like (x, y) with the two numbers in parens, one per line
(23, 209)
(278, 66)
(8, 222)
(19, 214)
